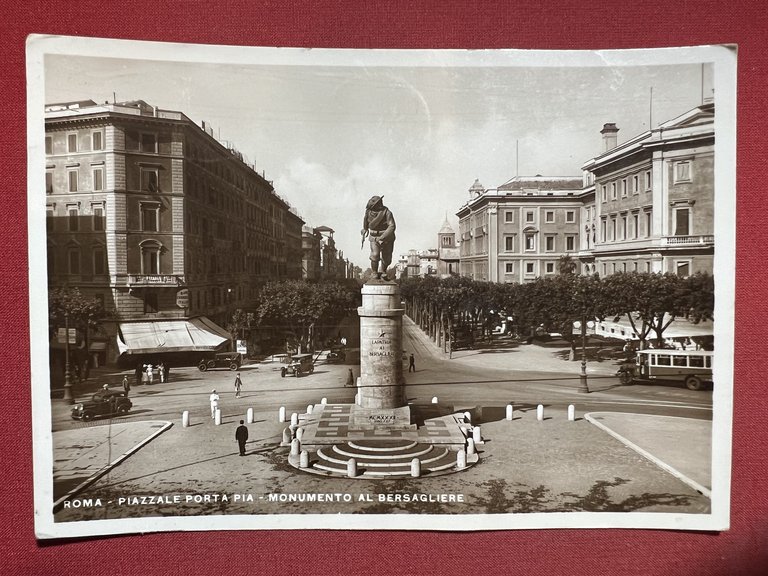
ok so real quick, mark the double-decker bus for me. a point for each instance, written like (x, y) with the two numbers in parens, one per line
(693, 367)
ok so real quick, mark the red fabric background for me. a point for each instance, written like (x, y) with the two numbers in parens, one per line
(555, 24)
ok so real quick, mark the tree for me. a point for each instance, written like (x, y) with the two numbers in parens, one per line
(84, 313)
(239, 323)
(566, 265)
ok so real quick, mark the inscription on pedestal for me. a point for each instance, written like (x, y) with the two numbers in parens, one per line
(380, 347)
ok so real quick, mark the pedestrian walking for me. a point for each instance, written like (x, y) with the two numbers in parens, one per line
(161, 372)
(214, 399)
(241, 435)
(150, 373)
(144, 375)
(167, 370)
(411, 364)
(238, 385)
(350, 378)
(126, 385)
(138, 373)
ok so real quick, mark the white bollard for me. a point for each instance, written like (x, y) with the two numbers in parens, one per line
(185, 419)
(461, 459)
(217, 417)
(470, 446)
(281, 414)
(351, 467)
(295, 447)
(310, 407)
(571, 412)
(415, 468)
(357, 399)
(299, 433)
(249, 415)
(294, 419)
(467, 417)
(324, 401)
(477, 435)
(304, 459)
(540, 412)
(286, 435)
(510, 411)
(434, 400)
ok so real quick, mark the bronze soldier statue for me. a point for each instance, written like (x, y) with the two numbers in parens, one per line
(379, 226)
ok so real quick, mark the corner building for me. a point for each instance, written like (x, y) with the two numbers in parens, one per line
(169, 228)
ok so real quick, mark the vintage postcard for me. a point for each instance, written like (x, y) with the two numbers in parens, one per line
(278, 288)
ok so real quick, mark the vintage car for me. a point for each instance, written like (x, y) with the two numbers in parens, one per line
(231, 360)
(299, 364)
(335, 354)
(102, 403)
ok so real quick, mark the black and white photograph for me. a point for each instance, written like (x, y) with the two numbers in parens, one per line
(283, 288)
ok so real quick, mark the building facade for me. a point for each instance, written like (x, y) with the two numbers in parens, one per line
(447, 251)
(170, 229)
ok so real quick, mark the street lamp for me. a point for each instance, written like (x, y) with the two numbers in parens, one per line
(583, 384)
(67, 374)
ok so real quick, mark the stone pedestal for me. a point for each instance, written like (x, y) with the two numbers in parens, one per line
(381, 386)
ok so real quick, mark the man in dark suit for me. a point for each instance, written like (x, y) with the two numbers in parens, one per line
(241, 435)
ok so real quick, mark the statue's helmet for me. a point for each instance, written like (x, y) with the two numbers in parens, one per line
(374, 202)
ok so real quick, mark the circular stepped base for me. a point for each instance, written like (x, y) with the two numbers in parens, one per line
(380, 459)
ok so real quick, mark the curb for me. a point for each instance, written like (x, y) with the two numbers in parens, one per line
(102, 471)
(660, 463)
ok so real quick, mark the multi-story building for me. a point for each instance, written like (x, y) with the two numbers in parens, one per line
(447, 251)
(654, 199)
(520, 230)
(169, 228)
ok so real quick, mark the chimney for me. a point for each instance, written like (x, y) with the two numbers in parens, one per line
(610, 138)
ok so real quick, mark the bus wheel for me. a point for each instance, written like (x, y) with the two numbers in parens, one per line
(694, 383)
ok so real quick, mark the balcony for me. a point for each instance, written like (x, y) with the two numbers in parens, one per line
(168, 280)
(705, 240)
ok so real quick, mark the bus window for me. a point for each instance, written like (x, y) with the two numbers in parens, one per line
(663, 360)
(679, 361)
(709, 361)
(696, 361)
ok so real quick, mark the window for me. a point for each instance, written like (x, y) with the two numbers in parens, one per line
(98, 179)
(549, 216)
(604, 193)
(635, 184)
(150, 303)
(148, 143)
(73, 215)
(613, 228)
(73, 260)
(49, 145)
(71, 142)
(530, 241)
(683, 171)
(150, 216)
(605, 268)
(648, 267)
(682, 222)
(73, 178)
(49, 182)
(150, 257)
(683, 269)
(663, 360)
(648, 180)
(549, 267)
(99, 261)
(529, 268)
(49, 216)
(613, 190)
(509, 268)
(149, 180)
(624, 188)
(635, 225)
(570, 243)
(570, 217)
(648, 223)
(98, 217)
(624, 227)
(98, 140)
(509, 243)
(603, 228)
(549, 243)
(529, 216)
(509, 216)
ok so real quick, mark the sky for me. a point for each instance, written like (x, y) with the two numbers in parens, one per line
(330, 137)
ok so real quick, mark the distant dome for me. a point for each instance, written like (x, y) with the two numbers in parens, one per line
(476, 188)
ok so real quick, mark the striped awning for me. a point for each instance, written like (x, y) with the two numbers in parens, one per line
(195, 334)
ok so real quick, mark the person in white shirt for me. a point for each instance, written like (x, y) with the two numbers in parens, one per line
(214, 398)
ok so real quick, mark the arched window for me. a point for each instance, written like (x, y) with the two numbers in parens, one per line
(150, 256)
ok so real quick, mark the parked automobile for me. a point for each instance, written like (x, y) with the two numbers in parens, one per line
(335, 354)
(231, 360)
(102, 403)
(299, 364)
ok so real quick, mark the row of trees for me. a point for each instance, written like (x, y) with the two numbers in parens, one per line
(451, 307)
